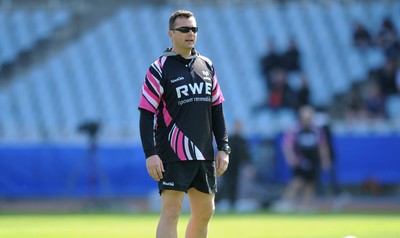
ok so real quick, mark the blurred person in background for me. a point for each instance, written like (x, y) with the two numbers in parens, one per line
(281, 94)
(388, 40)
(270, 62)
(353, 107)
(305, 149)
(322, 120)
(374, 102)
(303, 94)
(398, 78)
(291, 57)
(239, 159)
(386, 78)
(361, 36)
(182, 90)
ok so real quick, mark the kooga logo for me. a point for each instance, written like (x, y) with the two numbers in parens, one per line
(171, 184)
(195, 88)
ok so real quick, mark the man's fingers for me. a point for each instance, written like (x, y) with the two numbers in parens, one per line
(218, 163)
(159, 173)
(220, 172)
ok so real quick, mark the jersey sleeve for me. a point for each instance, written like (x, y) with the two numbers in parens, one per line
(152, 89)
(217, 96)
(289, 138)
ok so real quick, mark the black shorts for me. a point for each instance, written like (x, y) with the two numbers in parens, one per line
(307, 175)
(182, 176)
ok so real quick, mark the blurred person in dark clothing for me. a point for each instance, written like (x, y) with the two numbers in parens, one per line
(239, 158)
(323, 121)
(303, 95)
(353, 107)
(397, 79)
(374, 102)
(386, 78)
(305, 149)
(361, 36)
(270, 62)
(388, 40)
(291, 58)
(280, 93)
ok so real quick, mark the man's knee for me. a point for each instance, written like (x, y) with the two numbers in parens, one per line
(171, 213)
(204, 214)
(171, 207)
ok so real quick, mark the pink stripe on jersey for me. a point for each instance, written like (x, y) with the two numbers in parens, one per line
(289, 139)
(144, 104)
(148, 93)
(154, 82)
(181, 144)
(217, 96)
(167, 116)
(148, 100)
(181, 153)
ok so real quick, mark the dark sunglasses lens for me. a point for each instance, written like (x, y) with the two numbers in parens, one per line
(186, 29)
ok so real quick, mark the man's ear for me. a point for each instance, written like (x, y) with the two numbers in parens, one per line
(170, 34)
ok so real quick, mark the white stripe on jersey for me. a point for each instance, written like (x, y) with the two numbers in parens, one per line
(186, 145)
(150, 99)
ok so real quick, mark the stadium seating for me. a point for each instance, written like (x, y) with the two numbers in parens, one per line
(99, 75)
(21, 29)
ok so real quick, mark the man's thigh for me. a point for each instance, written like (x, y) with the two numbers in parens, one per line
(200, 201)
(171, 199)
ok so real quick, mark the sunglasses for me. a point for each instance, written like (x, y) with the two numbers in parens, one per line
(186, 29)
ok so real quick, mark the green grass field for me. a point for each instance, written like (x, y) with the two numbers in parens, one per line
(230, 225)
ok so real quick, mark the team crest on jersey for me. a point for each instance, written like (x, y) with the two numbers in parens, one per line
(206, 76)
(206, 73)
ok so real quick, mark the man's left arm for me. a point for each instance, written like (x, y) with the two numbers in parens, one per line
(324, 152)
(221, 138)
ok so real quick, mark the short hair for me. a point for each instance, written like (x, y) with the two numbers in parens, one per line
(176, 14)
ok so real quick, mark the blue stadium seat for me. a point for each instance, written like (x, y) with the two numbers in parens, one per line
(393, 107)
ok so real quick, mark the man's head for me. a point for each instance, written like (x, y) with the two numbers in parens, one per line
(182, 30)
(306, 114)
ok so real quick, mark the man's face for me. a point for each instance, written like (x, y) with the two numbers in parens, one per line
(306, 117)
(182, 40)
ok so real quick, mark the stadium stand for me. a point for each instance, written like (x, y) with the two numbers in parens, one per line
(97, 72)
(21, 29)
(103, 68)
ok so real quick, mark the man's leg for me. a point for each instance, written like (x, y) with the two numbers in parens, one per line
(202, 207)
(171, 205)
(309, 194)
(293, 189)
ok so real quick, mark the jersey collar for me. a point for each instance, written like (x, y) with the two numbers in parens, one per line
(169, 52)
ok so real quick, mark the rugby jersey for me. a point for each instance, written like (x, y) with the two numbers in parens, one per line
(306, 142)
(181, 93)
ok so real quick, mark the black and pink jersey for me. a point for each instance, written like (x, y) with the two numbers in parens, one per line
(306, 142)
(181, 92)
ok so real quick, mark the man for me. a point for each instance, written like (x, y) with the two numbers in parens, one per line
(304, 148)
(239, 159)
(182, 90)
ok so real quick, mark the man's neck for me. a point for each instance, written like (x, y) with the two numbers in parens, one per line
(182, 52)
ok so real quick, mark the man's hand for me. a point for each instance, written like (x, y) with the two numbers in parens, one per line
(222, 161)
(155, 167)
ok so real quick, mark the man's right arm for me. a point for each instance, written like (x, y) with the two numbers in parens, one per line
(146, 132)
(152, 91)
(154, 164)
(288, 149)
